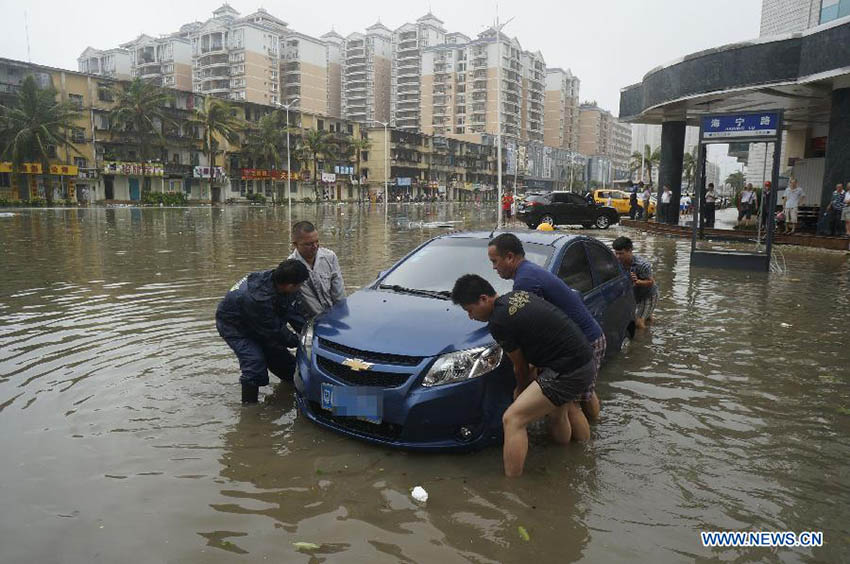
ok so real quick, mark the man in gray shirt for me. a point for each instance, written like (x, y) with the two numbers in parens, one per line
(325, 286)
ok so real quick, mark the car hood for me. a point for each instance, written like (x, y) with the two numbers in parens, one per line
(394, 323)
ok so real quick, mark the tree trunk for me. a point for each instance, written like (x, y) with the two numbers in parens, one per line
(316, 177)
(212, 160)
(48, 185)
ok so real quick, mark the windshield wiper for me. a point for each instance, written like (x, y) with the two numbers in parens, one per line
(441, 294)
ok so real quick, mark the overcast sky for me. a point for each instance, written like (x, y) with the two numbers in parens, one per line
(607, 43)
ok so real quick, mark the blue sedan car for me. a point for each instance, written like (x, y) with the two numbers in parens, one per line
(398, 364)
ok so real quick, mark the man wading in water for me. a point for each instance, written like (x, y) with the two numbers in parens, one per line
(531, 330)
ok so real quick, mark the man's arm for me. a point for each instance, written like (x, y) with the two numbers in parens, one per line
(268, 325)
(337, 283)
(521, 372)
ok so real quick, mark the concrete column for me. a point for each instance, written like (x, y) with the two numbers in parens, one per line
(670, 173)
(837, 166)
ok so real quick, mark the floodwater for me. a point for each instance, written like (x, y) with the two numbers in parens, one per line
(123, 439)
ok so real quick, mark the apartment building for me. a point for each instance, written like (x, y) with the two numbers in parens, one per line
(561, 109)
(408, 42)
(367, 75)
(790, 16)
(110, 63)
(600, 134)
(238, 57)
(459, 87)
(306, 74)
(165, 61)
(334, 44)
(533, 96)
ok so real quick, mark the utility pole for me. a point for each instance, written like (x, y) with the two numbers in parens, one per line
(498, 28)
(386, 160)
(288, 161)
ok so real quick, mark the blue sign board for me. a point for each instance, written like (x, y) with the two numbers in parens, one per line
(403, 181)
(763, 124)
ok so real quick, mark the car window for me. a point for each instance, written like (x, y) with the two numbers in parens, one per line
(559, 198)
(621, 196)
(437, 265)
(603, 194)
(575, 270)
(605, 265)
(538, 198)
(575, 199)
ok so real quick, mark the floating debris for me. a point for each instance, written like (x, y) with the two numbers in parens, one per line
(419, 494)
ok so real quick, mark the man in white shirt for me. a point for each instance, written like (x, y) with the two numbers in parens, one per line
(710, 205)
(794, 196)
(647, 194)
(664, 214)
(325, 286)
(748, 198)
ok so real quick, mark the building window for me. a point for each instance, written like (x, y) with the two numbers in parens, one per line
(320, 124)
(175, 158)
(80, 162)
(5, 179)
(78, 135)
(76, 101)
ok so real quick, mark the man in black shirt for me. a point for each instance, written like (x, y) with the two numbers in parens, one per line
(533, 331)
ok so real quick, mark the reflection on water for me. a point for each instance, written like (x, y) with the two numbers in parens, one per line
(122, 432)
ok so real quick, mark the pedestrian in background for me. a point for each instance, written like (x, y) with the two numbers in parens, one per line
(646, 196)
(710, 205)
(794, 196)
(835, 209)
(745, 208)
(646, 291)
(845, 213)
(664, 211)
(633, 204)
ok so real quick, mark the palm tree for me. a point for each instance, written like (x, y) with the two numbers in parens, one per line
(140, 108)
(736, 180)
(32, 127)
(217, 118)
(267, 143)
(636, 162)
(651, 158)
(360, 145)
(689, 166)
(316, 143)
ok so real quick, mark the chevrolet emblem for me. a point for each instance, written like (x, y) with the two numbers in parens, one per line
(357, 365)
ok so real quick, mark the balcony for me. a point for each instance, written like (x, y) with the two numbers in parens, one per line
(213, 48)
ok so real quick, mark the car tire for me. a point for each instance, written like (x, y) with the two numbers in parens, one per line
(603, 221)
(548, 218)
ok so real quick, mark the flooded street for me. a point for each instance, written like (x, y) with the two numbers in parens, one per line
(123, 438)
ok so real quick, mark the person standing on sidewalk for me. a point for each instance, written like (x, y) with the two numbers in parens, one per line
(836, 210)
(664, 213)
(633, 204)
(745, 210)
(710, 205)
(792, 199)
(647, 194)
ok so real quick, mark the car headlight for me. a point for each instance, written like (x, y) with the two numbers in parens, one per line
(307, 340)
(463, 365)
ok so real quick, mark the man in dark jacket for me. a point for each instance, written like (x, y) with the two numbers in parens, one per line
(252, 320)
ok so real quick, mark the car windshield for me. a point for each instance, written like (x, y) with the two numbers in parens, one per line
(542, 198)
(436, 266)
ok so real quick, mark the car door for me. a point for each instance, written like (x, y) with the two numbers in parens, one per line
(621, 201)
(611, 299)
(574, 268)
(578, 210)
(558, 208)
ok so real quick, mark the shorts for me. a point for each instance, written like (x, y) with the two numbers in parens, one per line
(598, 346)
(791, 215)
(564, 388)
(845, 213)
(644, 308)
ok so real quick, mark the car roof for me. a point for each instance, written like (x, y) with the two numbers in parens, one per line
(536, 237)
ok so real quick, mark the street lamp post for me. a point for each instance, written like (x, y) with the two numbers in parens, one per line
(386, 160)
(498, 28)
(288, 162)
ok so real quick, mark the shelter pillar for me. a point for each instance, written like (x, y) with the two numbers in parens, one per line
(670, 171)
(837, 165)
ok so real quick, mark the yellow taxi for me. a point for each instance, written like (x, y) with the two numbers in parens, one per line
(619, 200)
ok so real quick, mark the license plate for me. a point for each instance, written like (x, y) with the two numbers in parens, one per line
(361, 402)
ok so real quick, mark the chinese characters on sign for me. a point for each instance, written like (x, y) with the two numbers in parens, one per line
(262, 174)
(204, 172)
(744, 125)
(132, 169)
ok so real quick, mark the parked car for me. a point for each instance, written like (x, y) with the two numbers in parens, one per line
(620, 200)
(437, 379)
(565, 208)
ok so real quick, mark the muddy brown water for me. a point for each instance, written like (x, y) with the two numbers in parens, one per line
(122, 438)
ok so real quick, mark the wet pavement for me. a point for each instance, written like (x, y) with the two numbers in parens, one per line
(123, 439)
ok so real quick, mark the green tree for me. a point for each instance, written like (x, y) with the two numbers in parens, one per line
(315, 144)
(217, 119)
(689, 167)
(360, 145)
(266, 144)
(140, 111)
(736, 180)
(651, 158)
(32, 127)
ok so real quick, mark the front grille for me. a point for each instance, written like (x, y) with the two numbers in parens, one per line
(378, 358)
(363, 377)
(389, 431)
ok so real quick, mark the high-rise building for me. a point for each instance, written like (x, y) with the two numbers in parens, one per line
(165, 61)
(560, 120)
(367, 75)
(789, 16)
(110, 63)
(309, 73)
(238, 58)
(460, 87)
(601, 134)
(533, 96)
(334, 43)
(408, 42)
